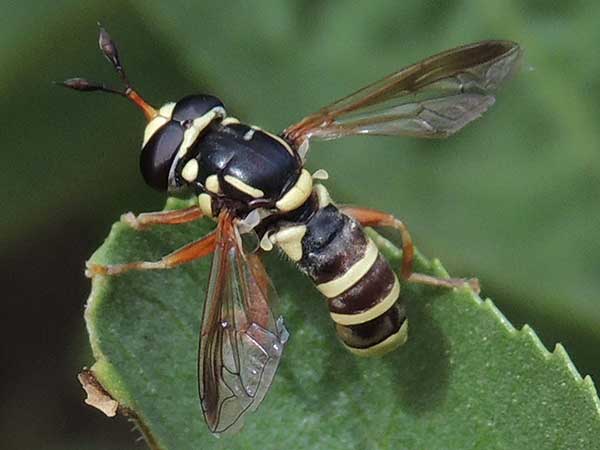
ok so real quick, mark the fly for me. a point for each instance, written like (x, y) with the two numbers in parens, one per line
(252, 181)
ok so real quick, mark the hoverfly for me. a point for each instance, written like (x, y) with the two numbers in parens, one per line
(252, 181)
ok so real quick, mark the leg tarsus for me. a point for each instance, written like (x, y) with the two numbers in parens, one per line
(93, 269)
(194, 250)
(421, 278)
(131, 219)
(175, 217)
(374, 218)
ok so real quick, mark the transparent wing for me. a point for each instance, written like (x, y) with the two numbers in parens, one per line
(241, 342)
(433, 98)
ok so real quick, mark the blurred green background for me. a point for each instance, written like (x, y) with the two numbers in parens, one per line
(513, 199)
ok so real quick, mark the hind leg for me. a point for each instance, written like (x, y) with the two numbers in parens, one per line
(373, 218)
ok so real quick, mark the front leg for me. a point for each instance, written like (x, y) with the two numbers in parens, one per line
(192, 251)
(175, 217)
(373, 218)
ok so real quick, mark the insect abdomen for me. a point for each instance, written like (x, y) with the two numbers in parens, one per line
(361, 288)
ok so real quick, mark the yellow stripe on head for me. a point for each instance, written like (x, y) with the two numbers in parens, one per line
(164, 115)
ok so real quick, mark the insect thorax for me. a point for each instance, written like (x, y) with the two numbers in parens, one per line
(241, 167)
(241, 163)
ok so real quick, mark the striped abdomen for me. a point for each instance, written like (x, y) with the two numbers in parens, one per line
(360, 286)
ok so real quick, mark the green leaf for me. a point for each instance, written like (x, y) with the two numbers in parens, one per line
(466, 379)
(533, 157)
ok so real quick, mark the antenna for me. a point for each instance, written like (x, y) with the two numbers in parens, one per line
(110, 52)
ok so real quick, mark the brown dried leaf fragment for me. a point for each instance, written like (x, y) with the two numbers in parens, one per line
(97, 396)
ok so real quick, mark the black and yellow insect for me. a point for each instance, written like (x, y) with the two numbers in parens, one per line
(251, 181)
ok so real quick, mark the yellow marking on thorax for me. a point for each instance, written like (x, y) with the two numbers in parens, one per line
(344, 282)
(297, 195)
(243, 187)
(229, 120)
(190, 170)
(387, 345)
(205, 204)
(320, 174)
(290, 241)
(322, 195)
(265, 243)
(372, 313)
(212, 184)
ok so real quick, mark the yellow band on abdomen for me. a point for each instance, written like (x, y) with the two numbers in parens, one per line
(371, 313)
(338, 285)
(387, 345)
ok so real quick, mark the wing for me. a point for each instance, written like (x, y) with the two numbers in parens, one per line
(241, 342)
(433, 98)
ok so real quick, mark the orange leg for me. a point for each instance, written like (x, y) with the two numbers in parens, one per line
(146, 220)
(194, 250)
(373, 218)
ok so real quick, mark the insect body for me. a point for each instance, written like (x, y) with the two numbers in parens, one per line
(233, 166)
(251, 181)
(360, 287)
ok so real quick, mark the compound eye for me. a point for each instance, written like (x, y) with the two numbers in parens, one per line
(194, 106)
(158, 154)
